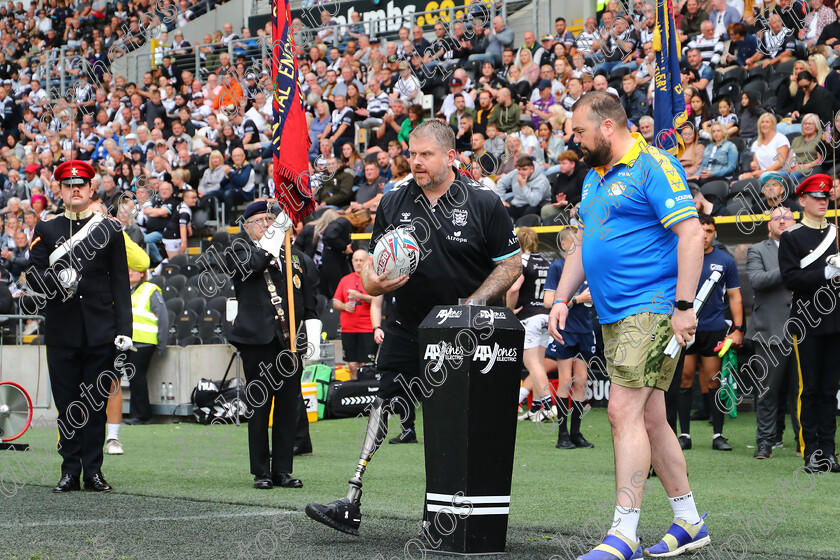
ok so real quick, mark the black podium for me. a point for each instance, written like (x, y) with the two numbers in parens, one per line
(471, 359)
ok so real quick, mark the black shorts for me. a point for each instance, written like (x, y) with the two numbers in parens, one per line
(358, 347)
(398, 362)
(705, 342)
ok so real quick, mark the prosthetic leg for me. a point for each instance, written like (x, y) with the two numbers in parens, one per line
(344, 514)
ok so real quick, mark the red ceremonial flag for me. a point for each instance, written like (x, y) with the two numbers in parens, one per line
(290, 136)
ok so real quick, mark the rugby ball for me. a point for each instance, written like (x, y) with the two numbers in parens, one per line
(396, 253)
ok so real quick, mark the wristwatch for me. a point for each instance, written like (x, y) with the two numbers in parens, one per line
(684, 305)
(739, 328)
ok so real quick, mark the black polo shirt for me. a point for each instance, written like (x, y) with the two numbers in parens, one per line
(461, 239)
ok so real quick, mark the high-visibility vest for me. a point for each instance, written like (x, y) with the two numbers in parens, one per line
(145, 327)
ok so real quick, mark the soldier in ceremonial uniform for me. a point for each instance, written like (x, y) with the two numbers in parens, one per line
(79, 268)
(261, 333)
(810, 267)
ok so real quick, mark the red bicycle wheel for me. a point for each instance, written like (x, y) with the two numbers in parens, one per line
(15, 411)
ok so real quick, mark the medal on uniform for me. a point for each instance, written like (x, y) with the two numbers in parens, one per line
(296, 281)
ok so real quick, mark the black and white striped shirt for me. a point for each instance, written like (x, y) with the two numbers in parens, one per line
(710, 49)
(378, 105)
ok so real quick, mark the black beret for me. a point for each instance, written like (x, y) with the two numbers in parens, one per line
(259, 207)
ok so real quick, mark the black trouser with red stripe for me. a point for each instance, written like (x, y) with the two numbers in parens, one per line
(819, 366)
(81, 383)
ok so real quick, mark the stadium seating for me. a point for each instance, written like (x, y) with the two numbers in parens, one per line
(218, 304)
(176, 282)
(719, 189)
(170, 270)
(528, 220)
(169, 293)
(176, 305)
(735, 75)
(196, 305)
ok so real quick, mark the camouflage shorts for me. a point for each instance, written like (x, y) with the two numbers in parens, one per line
(634, 348)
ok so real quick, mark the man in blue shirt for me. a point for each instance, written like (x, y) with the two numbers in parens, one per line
(572, 355)
(746, 45)
(641, 252)
(711, 329)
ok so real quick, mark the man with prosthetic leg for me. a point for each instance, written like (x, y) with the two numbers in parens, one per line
(434, 205)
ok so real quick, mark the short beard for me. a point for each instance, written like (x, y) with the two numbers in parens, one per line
(434, 181)
(601, 155)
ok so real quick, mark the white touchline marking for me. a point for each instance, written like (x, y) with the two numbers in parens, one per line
(265, 513)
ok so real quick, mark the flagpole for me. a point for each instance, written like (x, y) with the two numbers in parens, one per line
(290, 289)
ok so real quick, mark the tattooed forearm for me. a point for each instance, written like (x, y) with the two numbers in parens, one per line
(501, 279)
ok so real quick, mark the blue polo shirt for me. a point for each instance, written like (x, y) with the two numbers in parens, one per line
(629, 251)
(711, 317)
(578, 320)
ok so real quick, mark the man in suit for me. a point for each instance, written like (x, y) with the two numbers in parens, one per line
(770, 312)
(83, 283)
(262, 335)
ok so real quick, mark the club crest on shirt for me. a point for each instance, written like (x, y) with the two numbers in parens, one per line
(459, 217)
(617, 188)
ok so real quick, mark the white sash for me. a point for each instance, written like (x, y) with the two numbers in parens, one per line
(810, 258)
(64, 248)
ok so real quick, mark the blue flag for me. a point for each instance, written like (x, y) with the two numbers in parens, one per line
(668, 100)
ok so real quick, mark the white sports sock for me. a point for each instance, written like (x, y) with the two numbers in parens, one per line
(523, 394)
(685, 509)
(113, 431)
(625, 521)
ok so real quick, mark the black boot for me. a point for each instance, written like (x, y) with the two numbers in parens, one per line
(574, 428)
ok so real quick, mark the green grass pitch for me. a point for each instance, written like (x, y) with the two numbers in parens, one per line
(183, 491)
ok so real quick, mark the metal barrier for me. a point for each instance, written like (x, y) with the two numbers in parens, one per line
(190, 58)
(380, 26)
(20, 318)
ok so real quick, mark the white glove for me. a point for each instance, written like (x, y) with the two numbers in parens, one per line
(313, 336)
(831, 272)
(272, 239)
(123, 343)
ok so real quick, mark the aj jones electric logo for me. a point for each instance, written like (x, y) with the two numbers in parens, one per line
(492, 315)
(484, 353)
(450, 352)
(445, 314)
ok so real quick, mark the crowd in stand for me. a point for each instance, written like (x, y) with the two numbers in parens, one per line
(172, 152)
(759, 81)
